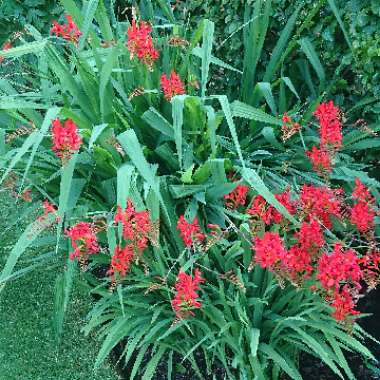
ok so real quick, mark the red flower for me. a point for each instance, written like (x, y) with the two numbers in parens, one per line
(330, 126)
(48, 208)
(172, 86)
(269, 250)
(297, 263)
(268, 214)
(320, 203)
(310, 236)
(237, 197)
(320, 159)
(361, 192)
(343, 304)
(362, 216)
(121, 260)
(190, 232)
(186, 293)
(83, 240)
(6, 46)
(339, 267)
(68, 31)
(140, 43)
(66, 139)
(136, 226)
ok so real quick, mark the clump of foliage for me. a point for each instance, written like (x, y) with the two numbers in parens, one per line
(14, 15)
(240, 232)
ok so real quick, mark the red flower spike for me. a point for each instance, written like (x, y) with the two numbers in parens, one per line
(6, 46)
(362, 214)
(320, 203)
(361, 192)
(83, 240)
(140, 43)
(186, 294)
(237, 197)
(363, 217)
(320, 160)
(68, 31)
(330, 126)
(297, 263)
(137, 226)
(344, 305)
(310, 237)
(66, 139)
(269, 250)
(172, 86)
(268, 214)
(339, 267)
(121, 260)
(190, 232)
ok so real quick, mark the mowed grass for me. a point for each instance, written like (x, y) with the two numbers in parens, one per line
(28, 348)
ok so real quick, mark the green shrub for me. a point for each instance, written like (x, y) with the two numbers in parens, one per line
(177, 159)
(14, 15)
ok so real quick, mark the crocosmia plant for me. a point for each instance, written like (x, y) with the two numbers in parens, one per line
(234, 236)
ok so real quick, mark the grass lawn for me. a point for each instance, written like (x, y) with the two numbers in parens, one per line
(28, 350)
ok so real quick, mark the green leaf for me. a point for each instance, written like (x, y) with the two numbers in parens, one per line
(132, 147)
(124, 177)
(153, 363)
(49, 117)
(340, 22)
(92, 5)
(254, 341)
(308, 48)
(104, 22)
(275, 60)
(246, 111)
(208, 39)
(28, 143)
(158, 122)
(97, 130)
(105, 76)
(266, 91)
(35, 47)
(280, 361)
(177, 113)
(26, 239)
(62, 294)
(197, 51)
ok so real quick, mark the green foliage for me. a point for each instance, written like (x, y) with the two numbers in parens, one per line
(15, 15)
(174, 159)
(353, 49)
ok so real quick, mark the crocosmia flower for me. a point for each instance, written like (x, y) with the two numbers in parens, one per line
(66, 139)
(320, 160)
(330, 125)
(121, 260)
(186, 297)
(237, 197)
(69, 31)
(269, 250)
(6, 46)
(137, 226)
(83, 240)
(190, 232)
(140, 43)
(172, 86)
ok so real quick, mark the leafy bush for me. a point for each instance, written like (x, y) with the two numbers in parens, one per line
(357, 75)
(14, 15)
(189, 162)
